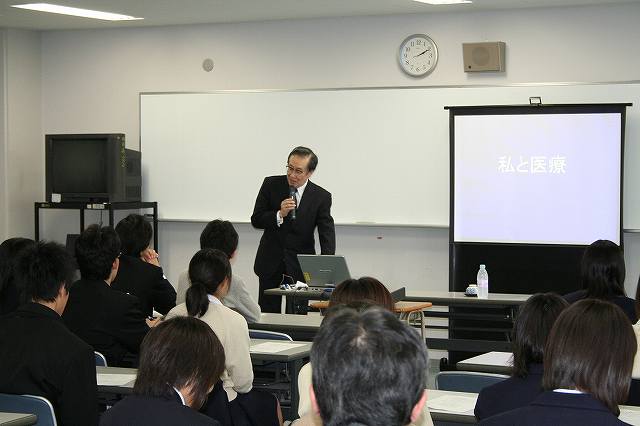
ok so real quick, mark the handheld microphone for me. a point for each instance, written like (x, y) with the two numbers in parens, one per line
(292, 193)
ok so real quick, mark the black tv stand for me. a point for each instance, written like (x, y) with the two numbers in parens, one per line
(110, 207)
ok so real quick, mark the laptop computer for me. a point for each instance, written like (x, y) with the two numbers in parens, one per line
(399, 294)
(323, 270)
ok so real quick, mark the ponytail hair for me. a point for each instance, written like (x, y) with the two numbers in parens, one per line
(207, 271)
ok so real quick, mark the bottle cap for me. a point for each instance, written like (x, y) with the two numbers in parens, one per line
(482, 266)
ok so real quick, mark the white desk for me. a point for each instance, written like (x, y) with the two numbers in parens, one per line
(299, 327)
(491, 362)
(628, 414)
(448, 415)
(17, 419)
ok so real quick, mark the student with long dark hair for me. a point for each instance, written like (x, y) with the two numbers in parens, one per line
(220, 234)
(587, 369)
(602, 273)
(180, 361)
(210, 277)
(530, 332)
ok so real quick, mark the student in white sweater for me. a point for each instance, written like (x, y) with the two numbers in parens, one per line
(220, 234)
(210, 277)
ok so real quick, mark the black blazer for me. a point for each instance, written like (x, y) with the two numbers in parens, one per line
(515, 392)
(625, 303)
(9, 297)
(138, 410)
(293, 237)
(107, 319)
(40, 356)
(147, 283)
(554, 408)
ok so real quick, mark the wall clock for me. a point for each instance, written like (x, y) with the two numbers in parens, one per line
(418, 55)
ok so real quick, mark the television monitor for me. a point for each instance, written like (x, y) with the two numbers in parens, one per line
(94, 168)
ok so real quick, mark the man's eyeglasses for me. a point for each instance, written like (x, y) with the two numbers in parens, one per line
(294, 171)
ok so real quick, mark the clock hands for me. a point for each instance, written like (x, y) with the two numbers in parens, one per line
(420, 54)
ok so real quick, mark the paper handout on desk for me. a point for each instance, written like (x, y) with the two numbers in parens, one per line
(108, 379)
(452, 403)
(274, 347)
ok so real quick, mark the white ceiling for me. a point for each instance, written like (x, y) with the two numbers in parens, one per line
(178, 12)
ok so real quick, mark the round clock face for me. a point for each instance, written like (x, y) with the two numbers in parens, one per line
(418, 55)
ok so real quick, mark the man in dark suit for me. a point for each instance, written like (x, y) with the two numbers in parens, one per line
(38, 354)
(140, 273)
(289, 208)
(105, 318)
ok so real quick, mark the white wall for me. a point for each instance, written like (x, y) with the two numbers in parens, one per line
(91, 80)
(23, 173)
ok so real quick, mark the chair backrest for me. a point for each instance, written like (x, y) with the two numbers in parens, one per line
(466, 381)
(101, 360)
(272, 335)
(29, 404)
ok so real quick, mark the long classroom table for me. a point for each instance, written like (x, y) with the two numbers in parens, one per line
(483, 314)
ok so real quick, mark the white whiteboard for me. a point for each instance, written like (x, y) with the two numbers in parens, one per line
(383, 153)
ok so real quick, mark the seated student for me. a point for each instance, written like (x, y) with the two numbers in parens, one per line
(139, 272)
(530, 332)
(210, 277)
(9, 291)
(587, 369)
(107, 319)
(220, 234)
(180, 361)
(602, 273)
(363, 291)
(38, 354)
(369, 368)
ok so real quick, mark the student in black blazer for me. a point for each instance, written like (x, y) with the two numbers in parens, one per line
(602, 273)
(38, 354)
(107, 319)
(285, 237)
(530, 332)
(180, 362)
(140, 273)
(9, 291)
(587, 369)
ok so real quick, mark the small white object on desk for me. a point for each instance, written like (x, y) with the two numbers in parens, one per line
(108, 379)
(273, 347)
(495, 358)
(452, 403)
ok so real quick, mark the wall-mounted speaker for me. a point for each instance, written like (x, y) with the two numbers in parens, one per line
(487, 56)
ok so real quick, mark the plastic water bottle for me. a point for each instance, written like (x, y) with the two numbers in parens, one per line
(483, 282)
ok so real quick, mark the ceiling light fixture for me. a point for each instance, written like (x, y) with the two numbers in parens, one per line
(74, 11)
(445, 1)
